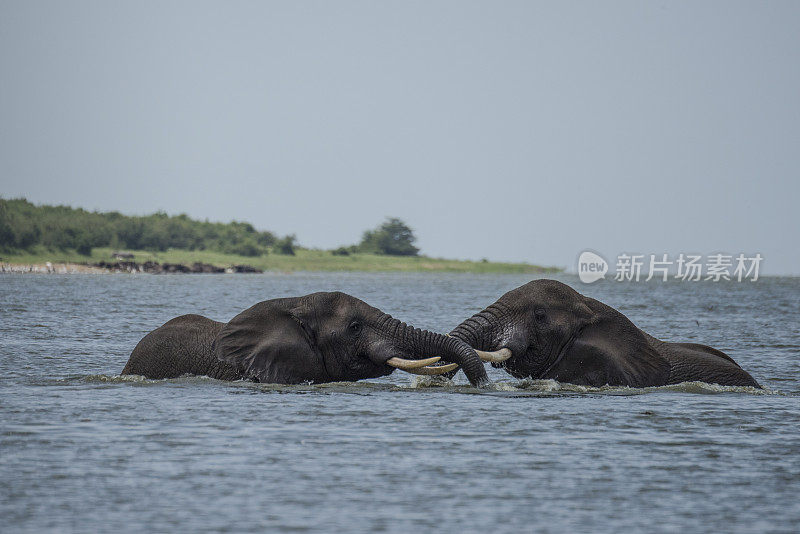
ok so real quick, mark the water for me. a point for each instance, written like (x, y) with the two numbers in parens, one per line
(82, 449)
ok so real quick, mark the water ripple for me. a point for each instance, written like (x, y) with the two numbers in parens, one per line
(83, 448)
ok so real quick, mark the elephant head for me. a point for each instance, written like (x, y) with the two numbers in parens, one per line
(546, 329)
(327, 337)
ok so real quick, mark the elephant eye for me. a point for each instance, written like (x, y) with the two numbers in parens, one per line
(540, 314)
(355, 327)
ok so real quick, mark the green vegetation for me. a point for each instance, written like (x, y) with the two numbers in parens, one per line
(24, 226)
(286, 245)
(37, 234)
(393, 238)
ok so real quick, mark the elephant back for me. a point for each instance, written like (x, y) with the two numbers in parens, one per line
(180, 346)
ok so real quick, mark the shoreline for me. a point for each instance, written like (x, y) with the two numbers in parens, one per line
(65, 268)
(120, 268)
(107, 260)
(51, 268)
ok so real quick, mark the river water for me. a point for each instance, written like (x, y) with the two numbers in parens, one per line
(82, 449)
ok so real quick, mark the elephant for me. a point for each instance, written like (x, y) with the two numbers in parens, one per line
(316, 338)
(547, 330)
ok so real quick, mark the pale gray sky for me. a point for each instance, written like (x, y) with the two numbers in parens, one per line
(523, 131)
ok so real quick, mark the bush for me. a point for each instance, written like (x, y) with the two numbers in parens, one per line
(341, 251)
(286, 245)
(266, 239)
(84, 249)
(393, 238)
(247, 249)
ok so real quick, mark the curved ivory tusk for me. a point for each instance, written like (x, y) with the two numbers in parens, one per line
(405, 365)
(496, 356)
(433, 370)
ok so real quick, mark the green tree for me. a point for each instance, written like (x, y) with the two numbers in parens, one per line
(393, 238)
(286, 245)
(24, 226)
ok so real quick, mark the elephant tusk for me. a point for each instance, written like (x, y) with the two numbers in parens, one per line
(405, 365)
(496, 356)
(433, 370)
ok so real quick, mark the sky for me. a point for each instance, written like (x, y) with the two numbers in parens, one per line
(518, 131)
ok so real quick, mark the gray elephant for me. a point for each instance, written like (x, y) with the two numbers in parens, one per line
(547, 330)
(322, 337)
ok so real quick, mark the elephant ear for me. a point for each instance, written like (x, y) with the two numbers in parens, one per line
(611, 350)
(269, 343)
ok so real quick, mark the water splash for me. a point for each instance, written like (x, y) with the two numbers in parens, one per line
(422, 383)
(684, 387)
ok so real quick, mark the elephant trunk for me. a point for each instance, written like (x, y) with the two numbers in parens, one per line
(472, 332)
(421, 343)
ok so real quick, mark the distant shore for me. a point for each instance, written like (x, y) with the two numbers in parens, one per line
(62, 240)
(122, 267)
(103, 260)
(50, 268)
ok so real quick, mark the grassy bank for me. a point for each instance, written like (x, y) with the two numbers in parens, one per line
(303, 260)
